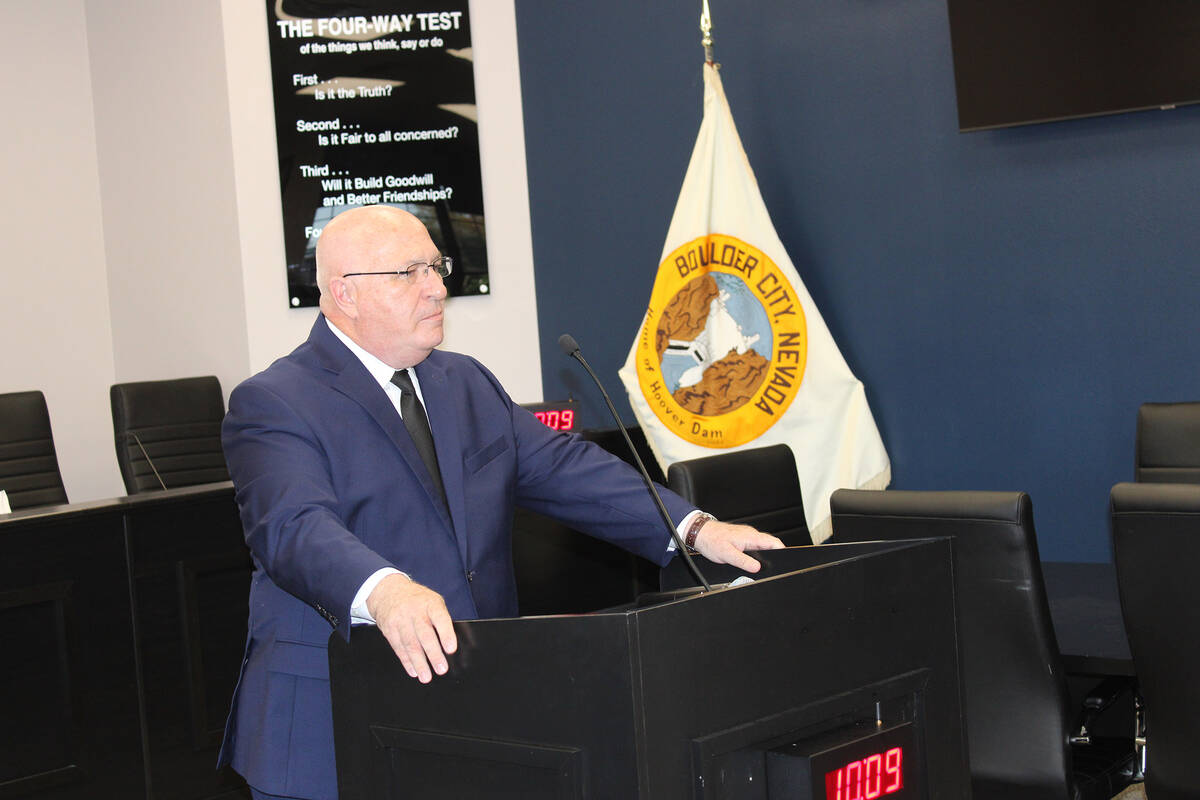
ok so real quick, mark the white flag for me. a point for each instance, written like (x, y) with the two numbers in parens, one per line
(732, 353)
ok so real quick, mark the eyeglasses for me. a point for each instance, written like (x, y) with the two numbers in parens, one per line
(441, 267)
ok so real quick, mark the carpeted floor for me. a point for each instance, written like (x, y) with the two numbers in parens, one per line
(1135, 792)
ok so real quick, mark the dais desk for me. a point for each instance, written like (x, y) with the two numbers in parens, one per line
(1086, 610)
(122, 624)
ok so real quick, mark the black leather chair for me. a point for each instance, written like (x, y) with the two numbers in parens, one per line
(1016, 698)
(758, 487)
(1168, 443)
(29, 471)
(1156, 542)
(168, 433)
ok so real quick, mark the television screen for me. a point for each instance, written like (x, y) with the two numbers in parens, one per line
(1023, 61)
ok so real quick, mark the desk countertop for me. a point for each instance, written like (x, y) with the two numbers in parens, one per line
(1086, 610)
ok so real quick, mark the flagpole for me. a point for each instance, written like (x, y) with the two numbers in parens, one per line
(706, 29)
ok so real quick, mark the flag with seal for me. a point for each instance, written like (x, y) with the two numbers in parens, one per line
(732, 353)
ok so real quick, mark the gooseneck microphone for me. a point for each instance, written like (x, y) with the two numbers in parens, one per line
(571, 348)
(146, 456)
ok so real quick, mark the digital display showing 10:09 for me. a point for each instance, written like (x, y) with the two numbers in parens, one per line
(877, 775)
(559, 420)
(864, 761)
(559, 416)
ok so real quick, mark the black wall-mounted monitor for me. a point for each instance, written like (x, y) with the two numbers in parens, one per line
(1018, 62)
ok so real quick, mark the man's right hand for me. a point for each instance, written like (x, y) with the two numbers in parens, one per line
(414, 620)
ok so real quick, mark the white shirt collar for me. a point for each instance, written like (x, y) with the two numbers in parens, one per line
(380, 371)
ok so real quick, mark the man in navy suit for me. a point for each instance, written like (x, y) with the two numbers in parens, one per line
(349, 523)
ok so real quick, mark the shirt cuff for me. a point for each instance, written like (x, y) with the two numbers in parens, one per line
(359, 615)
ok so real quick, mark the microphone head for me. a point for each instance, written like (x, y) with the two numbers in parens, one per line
(568, 344)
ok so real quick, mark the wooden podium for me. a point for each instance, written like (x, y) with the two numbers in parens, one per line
(834, 653)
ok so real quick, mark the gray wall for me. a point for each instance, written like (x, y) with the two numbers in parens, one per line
(141, 214)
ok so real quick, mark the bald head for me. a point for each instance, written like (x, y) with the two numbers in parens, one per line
(396, 319)
(352, 236)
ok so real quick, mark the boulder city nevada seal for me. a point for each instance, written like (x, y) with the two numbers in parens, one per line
(722, 351)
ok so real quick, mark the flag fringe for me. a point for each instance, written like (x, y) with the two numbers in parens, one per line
(821, 532)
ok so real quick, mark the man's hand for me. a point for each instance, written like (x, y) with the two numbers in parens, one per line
(725, 543)
(414, 620)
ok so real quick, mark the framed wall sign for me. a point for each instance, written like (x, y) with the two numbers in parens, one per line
(375, 103)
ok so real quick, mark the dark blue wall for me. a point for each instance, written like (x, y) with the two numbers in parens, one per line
(1007, 297)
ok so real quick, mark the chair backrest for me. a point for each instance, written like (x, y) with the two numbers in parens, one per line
(177, 424)
(758, 486)
(1015, 693)
(1168, 443)
(29, 471)
(1156, 542)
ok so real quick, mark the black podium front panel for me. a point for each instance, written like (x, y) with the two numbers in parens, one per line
(700, 697)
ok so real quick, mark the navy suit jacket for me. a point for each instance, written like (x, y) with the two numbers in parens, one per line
(331, 489)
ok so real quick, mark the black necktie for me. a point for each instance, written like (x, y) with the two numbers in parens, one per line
(418, 427)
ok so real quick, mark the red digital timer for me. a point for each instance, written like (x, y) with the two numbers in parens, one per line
(863, 761)
(558, 416)
(876, 775)
(563, 420)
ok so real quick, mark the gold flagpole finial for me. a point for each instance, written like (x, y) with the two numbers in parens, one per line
(706, 29)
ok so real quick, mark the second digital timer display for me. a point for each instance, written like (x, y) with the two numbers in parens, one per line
(559, 416)
(559, 420)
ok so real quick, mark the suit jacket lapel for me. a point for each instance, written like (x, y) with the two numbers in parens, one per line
(352, 379)
(444, 415)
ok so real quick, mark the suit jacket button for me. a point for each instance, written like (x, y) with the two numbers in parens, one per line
(470, 575)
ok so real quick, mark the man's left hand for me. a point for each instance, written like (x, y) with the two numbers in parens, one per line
(726, 543)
